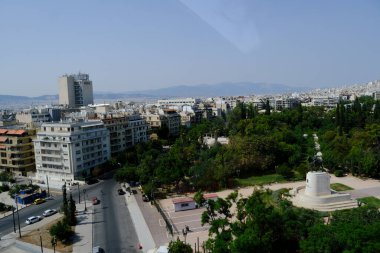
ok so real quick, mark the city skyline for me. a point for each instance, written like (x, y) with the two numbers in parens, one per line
(140, 45)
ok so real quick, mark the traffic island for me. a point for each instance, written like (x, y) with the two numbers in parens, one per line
(42, 236)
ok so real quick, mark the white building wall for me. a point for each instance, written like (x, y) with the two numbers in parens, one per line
(64, 150)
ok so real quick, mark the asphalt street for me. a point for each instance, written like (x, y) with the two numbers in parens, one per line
(6, 223)
(113, 228)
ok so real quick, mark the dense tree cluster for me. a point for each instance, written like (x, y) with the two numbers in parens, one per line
(272, 142)
(62, 229)
(354, 144)
(267, 222)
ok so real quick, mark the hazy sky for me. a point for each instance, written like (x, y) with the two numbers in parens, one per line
(138, 44)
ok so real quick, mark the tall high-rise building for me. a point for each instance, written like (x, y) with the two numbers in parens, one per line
(75, 90)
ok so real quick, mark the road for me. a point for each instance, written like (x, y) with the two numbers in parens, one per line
(113, 228)
(6, 223)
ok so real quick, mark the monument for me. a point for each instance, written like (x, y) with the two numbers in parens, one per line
(316, 194)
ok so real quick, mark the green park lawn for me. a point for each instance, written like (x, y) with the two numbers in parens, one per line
(371, 201)
(261, 180)
(340, 187)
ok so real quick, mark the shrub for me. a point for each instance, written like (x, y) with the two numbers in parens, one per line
(4, 188)
(285, 171)
(4, 207)
(61, 230)
(5, 176)
(339, 173)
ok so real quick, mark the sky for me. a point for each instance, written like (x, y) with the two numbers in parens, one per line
(132, 45)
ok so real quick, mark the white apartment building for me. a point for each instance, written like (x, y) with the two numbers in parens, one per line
(328, 102)
(75, 90)
(65, 151)
(376, 95)
(178, 102)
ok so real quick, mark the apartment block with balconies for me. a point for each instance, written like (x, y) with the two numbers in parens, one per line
(16, 151)
(67, 151)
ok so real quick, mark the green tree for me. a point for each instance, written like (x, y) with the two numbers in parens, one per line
(263, 222)
(61, 230)
(179, 246)
(354, 230)
(65, 203)
(267, 108)
(72, 220)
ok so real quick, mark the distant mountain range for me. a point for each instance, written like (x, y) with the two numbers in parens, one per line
(222, 89)
(202, 90)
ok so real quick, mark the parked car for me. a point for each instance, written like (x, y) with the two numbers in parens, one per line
(120, 191)
(95, 200)
(91, 181)
(97, 249)
(33, 219)
(49, 212)
(145, 198)
(39, 201)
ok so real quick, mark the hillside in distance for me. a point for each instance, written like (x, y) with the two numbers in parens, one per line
(202, 90)
(222, 89)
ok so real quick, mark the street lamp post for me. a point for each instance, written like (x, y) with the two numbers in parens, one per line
(14, 221)
(78, 193)
(42, 248)
(18, 216)
(84, 196)
(47, 182)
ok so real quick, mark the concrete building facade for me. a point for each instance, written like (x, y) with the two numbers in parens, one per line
(16, 151)
(66, 151)
(75, 90)
(126, 131)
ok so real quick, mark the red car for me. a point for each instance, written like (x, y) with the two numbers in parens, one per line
(95, 200)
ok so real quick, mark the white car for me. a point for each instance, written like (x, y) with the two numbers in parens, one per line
(33, 219)
(49, 212)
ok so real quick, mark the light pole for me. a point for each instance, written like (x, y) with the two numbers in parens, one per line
(84, 196)
(47, 182)
(42, 249)
(18, 216)
(14, 221)
(78, 192)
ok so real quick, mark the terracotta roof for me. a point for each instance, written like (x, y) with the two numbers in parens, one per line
(183, 200)
(20, 132)
(2, 147)
(3, 131)
(210, 195)
(3, 139)
(16, 132)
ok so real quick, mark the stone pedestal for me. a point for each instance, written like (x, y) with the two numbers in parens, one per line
(316, 194)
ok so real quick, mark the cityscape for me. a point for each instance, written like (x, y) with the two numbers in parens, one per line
(160, 147)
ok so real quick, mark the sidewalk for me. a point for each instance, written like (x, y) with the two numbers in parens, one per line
(83, 229)
(142, 229)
